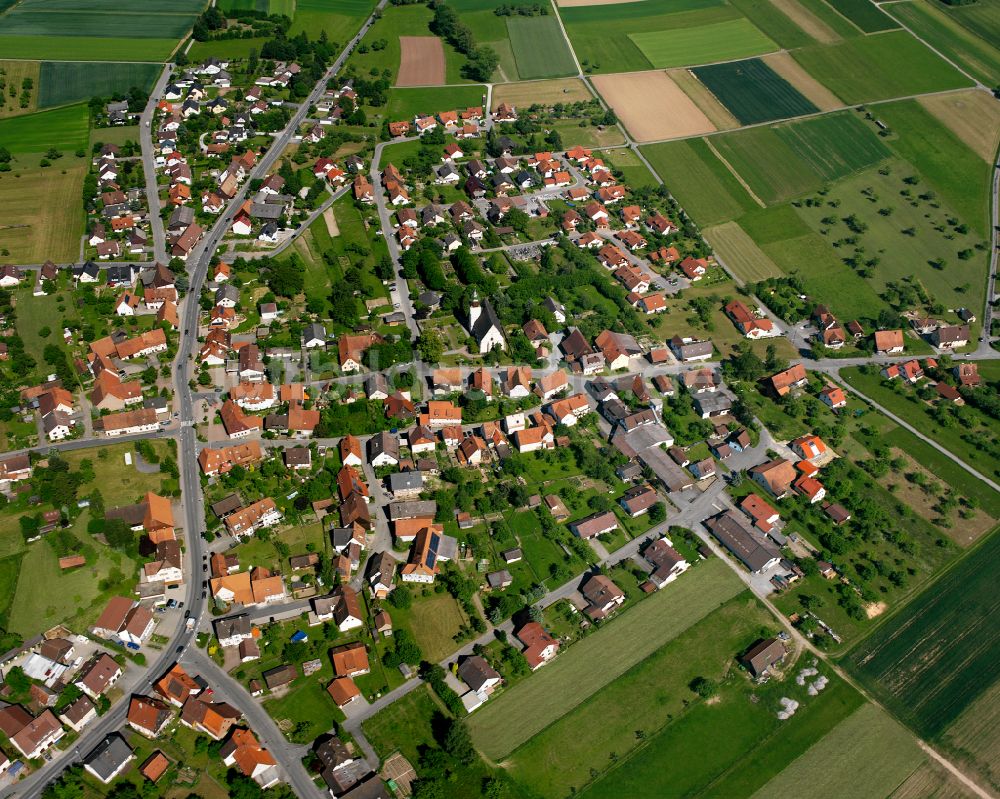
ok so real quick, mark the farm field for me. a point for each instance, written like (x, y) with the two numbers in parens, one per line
(65, 82)
(974, 737)
(706, 189)
(540, 49)
(543, 92)
(421, 61)
(651, 106)
(716, 112)
(559, 760)
(813, 24)
(982, 19)
(865, 14)
(753, 91)
(43, 218)
(63, 128)
(721, 41)
(83, 48)
(956, 172)
(741, 253)
(973, 116)
(815, 92)
(339, 20)
(932, 691)
(841, 763)
(892, 64)
(730, 746)
(774, 22)
(842, 27)
(635, 172)
(977, 56)
(405, 103)
(902, 255)
(14, 73)
(502, 725)
(225, 48)
(933, 780)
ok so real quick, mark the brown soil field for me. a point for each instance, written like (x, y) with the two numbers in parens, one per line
(974, 738)
(543, 92)
(651, 106)
(931, 781)
(331, 222)
(814, 91)
(973, 116)
(421, 61)
(704, 99)
(808, 21)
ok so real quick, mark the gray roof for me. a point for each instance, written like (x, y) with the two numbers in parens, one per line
(411, 510)
(314, 331)
(405, 481)
(266, 211)
(754, 551)
(227, 292)
(109, 756)
(232, 625)
(487, 320)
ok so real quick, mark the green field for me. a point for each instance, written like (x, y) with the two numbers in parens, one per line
(753, 91)
(65, 82)
(930, 660)
(44, 217)
(842, 762)
(514, 717)
(941, 158)
(634, 171)
(702, 184)
(406, 103)
(286, 7)
(225, 48)
(786, 161)
(977, 57)
(601, 34)
(730, 747)
(63, 128)
(766, 16)
(81, 48)
(721, 41)
(86, 24)
(559, 759)
(540, 49)
(339, 20)
(865, 14)
(740, 253)
(982, 18)
(892, 64)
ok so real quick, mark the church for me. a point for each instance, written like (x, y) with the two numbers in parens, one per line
(484, 326)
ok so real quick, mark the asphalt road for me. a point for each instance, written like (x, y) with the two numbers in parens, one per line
(149, 165)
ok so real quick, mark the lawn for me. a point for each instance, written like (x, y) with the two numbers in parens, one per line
(65, 82)
(62, 128)
(407, 103)
(730, 746)
(892, 64)
(433, 621)
(540, 49)
(47, 596)
(601, 34)
(405, 725)
(964, 431)
(634, 172)
(943, 159)
(559, 759)
(44, 218)
(931, 690)
(842, 762)
(753, 91)
(118, 483)
(865, 14)
(513, 718)
(308, 702)
(721, 41)
(702, 184)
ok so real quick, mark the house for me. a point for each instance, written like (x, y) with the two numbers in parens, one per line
(809, 487)
(499, 580)
(594, 525)
(30, 736)
(314, 335)
(833, 397)
(343, 691)
(688, 350)
(176, 686)
(380, 574)
(350, 450)
(539, 645)
(760, 512)
(280, 676)
(762, 656)
(430, 547)
(837, 513)
(245, 753)
(889, 342)
(570, 410)
(148, 716)
(967, 375)
(350, 660)
(776, 476)
(694, 268)
(383, 450)
(602, 596)
(79, 713)
(945, 337)
(756, 553)
(638, 500)
(155, 766)
(98, 674)
(233, 629)
(479, 675)
(617, 348)
(783, 382)
(809, 448)
(668, 564)
(109, 758)
(748, 323)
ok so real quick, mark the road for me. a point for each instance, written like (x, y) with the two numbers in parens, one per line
(149, 165)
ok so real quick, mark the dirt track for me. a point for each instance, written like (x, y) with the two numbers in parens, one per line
(652, 106)
(421, 61)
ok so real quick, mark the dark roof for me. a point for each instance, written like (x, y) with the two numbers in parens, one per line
(108, 756)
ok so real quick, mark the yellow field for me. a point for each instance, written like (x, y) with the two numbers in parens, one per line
(13, 73)
(526, 93)
(931, 781)
(973, 116)
(42, 216)
(740, 253)
(814, 91)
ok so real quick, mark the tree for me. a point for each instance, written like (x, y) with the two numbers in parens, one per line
(430, 346)
(458, 743)
(401, 598)
(704, 687)
(657, 513)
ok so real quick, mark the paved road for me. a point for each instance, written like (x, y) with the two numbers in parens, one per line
(149, 165)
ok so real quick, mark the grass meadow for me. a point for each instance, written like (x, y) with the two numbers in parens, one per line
(65, 129)
(888, 65)
(865, 14)
(43, 216)
(774, 24)
(506, 723)
(740, 253)
(933, 658)
(14, 72)
(753, 91)
(406, 103)
(721, 41)
(340, 20)
(540, 49)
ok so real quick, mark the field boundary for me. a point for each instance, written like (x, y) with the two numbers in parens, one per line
(735, 174)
